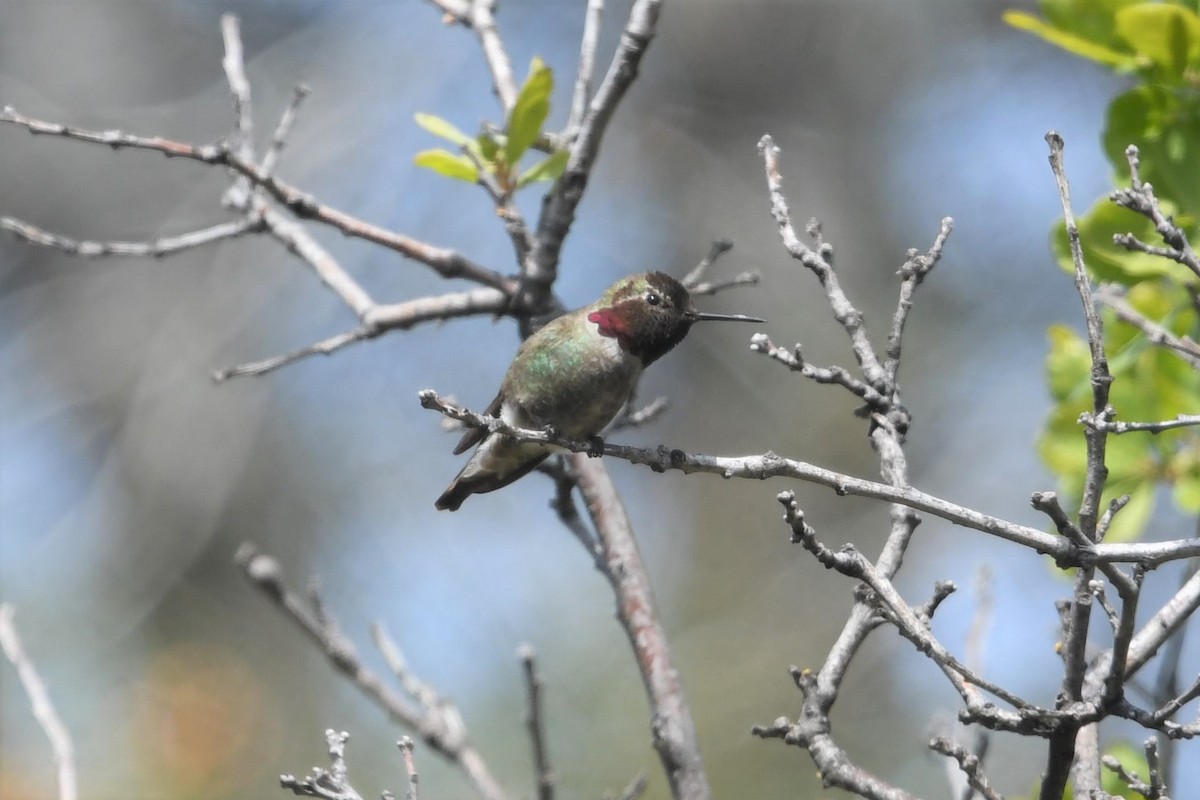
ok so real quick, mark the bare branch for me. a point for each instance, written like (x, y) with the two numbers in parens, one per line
(636, 787)
(969, 763)
(506, 206)
(558, 210)
(533, 721)
(445, 262)
(381, 319)
(410, 767)
(715, 251)
(794, 360)
(674, 732)
(1187, 349)
(1172, 706)
(582, 95)
(912, 273)
(1180, 421)
(478, 16)
(1131, 779)
(852, 563)
(1047, 503)
(1062, 748)
(239, 86)
(279, 139)
(564, 506)
(155, 248)
(438, 724)
(633, 417)
(39, 700)
(1140, 198)
(770, 465)
(327, 784)
(820, 262)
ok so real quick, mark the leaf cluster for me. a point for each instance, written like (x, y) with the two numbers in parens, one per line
(500, 152)
(1157, 44)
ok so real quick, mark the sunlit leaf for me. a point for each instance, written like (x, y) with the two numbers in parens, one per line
(1187, 483)
(488, 147)
(1068, 362)
(1068, 41)
(548, 169)
(1166, 34)
(452, 165)
(444, 129)
(529, 113)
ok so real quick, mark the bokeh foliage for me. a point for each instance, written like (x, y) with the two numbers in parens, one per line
(1156, 44)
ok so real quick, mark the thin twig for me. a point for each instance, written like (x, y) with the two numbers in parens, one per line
(1184, 346)
(154, 248)
(478, 16)
(1180, 421)
(326, 784)
(564, 506)
(912, 273)
(410, 768)
(438, 724)
(1140, 198)
(380, 319)
(850, 562)
(446, 262)
(39, 700)
(794, 360)
(544, 777)
(969, 763)
(636, 787)
(279, 139)
(715, 251)
(820, 262)
(239, 86)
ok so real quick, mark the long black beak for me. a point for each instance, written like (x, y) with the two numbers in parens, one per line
(699, 315)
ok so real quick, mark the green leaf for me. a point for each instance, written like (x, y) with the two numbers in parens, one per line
(1187, 488)
(548, 169)
(1167, 35)
(1068, 41)
(1089, 19)
(451, 165)
(1166, 129)
(1108, 261)
(1068, 364)
(444, 129)
(529, 113)
(488, 147)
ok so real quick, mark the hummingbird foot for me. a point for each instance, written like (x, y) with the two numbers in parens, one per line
(596, 447)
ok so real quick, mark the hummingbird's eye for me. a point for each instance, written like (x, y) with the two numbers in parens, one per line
(653, 299)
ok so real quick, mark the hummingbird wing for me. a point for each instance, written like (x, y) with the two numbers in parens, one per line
(474, 436)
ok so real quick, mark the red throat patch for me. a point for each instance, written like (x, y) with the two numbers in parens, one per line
(609, 323)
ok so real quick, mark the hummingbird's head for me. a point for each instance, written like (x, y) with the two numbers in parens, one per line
(650, 313)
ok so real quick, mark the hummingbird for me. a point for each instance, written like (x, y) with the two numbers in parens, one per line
(574, 374)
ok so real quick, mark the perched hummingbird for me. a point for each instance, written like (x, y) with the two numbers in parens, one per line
(575, 374)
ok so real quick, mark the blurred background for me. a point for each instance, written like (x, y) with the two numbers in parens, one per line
(128, 479)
